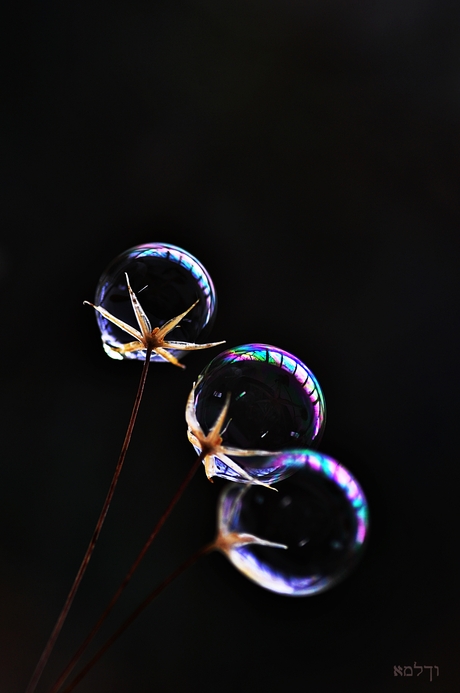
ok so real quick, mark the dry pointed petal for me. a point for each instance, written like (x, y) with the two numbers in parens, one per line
(129, 347)
(216, 429)
(225, 542)
(190, 414)
(242, 472)
(253, 539)
(225, 427)
(209, 467)
(193, 439)
(189, 346)
(171, 324)
(240, 452)
(119, 323)
(141, 317)
(169, 357)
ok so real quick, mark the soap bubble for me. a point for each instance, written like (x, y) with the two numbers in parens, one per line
(276, 404)
(166, 280)
(320, 513)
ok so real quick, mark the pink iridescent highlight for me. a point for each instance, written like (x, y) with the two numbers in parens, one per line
(181, 257)
(291, 364)
(337, 473)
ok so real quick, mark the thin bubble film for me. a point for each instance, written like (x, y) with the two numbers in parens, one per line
(167, 280)
(320, 513)
(276, 404)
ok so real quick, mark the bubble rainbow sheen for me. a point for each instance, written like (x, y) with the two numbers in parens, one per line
(276, 404)
(167, 280)
(320, 513)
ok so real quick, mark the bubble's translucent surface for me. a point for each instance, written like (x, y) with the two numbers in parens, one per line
(276, 404)
(320, 513)
(167, 280)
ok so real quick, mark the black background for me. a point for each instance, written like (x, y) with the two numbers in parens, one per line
(307, 153)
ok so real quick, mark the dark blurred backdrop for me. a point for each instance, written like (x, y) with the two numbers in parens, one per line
(308, 154)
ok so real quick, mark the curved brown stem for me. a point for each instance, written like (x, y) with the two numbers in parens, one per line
(97, 530)
(128, 576)
(192, 559)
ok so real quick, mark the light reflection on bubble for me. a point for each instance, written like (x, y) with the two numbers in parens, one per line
(320, 513)
(167, 280)
(276, 404)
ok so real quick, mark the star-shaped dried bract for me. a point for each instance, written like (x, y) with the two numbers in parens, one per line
(211, 444)
(148, 338)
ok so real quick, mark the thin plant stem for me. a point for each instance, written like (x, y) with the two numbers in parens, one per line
(97, 530)
(191, 473)
(186, 564)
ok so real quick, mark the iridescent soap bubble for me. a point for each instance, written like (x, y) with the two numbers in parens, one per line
(320, 513)
(166, 280)
(276, 404)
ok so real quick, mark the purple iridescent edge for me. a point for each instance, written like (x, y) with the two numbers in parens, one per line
(243, 557)
(289, 363)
